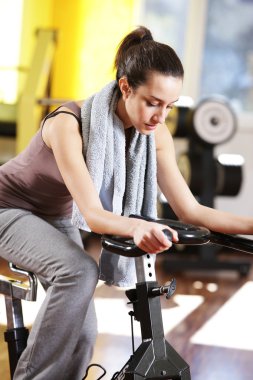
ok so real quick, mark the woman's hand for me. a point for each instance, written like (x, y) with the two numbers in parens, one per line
(149, 237)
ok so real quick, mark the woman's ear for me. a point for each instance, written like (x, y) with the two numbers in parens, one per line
(124, 87)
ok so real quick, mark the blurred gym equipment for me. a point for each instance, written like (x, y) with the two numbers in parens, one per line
(14, 291)
(20, 121)
(210, 123)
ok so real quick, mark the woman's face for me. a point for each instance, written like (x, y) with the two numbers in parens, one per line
(148, 106)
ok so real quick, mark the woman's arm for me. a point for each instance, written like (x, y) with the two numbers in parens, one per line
(180, 198)
(61, 134)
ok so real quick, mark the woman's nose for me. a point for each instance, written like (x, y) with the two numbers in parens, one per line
(160, 116)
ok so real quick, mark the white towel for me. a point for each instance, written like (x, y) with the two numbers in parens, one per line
(133, 175)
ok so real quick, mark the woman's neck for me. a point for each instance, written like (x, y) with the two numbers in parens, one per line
(122, 114)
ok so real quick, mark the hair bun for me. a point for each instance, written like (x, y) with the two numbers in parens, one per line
(144, 34)
(146, 37)
(138, 55)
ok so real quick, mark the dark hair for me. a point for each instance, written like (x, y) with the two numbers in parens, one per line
(138, 55)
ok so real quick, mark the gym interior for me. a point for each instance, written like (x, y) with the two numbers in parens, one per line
(51, 53)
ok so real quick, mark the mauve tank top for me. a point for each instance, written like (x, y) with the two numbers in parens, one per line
(32, 180)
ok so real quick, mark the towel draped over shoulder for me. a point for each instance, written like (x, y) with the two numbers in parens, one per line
(130, 179)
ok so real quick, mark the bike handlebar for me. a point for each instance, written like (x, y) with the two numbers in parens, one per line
(187, 234)
(232, 241)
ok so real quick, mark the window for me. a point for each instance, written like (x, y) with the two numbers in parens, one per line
(10, 27)
(227, 66)
(167, 21)
(214, 39)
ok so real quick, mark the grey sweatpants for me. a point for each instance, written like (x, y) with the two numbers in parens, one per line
(61, 341)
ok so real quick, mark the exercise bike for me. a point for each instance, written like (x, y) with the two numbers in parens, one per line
(155, 358)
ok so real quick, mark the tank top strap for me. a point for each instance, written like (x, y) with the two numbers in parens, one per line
(58, 111)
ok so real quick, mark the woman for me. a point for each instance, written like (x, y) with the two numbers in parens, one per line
(106, 154)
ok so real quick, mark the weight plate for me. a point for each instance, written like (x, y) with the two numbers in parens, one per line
(214, 121)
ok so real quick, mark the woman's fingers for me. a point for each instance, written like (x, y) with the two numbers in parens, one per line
(149, 243)
(174, 234)
(165, 240)
(152, 239)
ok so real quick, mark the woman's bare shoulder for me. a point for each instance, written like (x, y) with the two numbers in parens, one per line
(60, 124)
(162, 136)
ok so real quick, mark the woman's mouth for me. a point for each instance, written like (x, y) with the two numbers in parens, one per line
(151, 127)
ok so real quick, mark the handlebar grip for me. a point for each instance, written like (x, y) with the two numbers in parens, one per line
(124, 246)
(168, 234)
(121, 246)
(187, 233)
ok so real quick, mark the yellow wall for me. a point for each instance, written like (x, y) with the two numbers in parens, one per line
(36, 14)
(89, 32)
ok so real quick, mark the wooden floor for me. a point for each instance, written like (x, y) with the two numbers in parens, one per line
(207, 321)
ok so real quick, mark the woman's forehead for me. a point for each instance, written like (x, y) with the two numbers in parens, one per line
(161, 87)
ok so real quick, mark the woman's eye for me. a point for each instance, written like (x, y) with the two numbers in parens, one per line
(151, 104)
